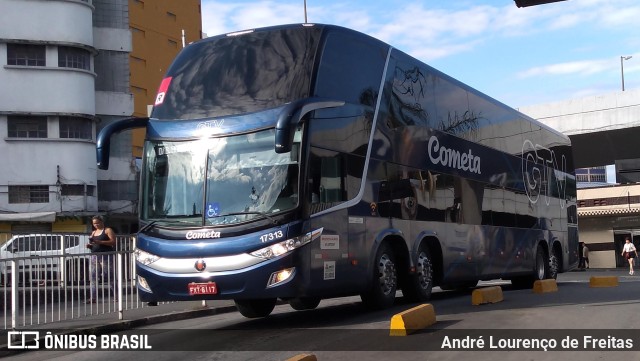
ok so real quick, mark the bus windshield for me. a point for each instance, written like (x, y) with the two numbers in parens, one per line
(219, 180)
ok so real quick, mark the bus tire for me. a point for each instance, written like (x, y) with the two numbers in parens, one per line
(256, 308)
(554, 265)
(420, 284)
(382, 292)
(542, 265)
(304, 303)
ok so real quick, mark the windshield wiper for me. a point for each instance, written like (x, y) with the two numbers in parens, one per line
(166, 221)
(273, 220)
(147, 226)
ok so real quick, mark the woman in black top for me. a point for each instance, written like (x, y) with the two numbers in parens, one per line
(102, 240)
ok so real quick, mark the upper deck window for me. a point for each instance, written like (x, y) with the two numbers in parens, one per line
(351, 68)
(240, 74)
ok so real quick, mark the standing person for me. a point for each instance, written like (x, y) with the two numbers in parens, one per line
(585, 256)
(102, 240)
(629, 252)
(581, 255)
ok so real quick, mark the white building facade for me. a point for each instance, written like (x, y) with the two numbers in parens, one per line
(50, 110)
(117, 187)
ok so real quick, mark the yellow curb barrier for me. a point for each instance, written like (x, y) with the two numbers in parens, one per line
(412, 320)
(603, 281)
(486, 295)
(545, 286)
(303, 357)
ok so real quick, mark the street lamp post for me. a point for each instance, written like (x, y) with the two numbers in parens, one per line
(622, 59)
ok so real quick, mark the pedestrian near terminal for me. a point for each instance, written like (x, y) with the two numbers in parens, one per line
(102, 243)
(581, 255)
(630, 253)
(585, 256)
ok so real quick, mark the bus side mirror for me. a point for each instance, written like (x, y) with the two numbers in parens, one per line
(292, 115)
(103, 140)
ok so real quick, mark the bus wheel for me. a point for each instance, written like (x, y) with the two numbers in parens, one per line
(382, 293)
(554, 265)
(418, 289)
(542, 265)
(256, 308)
(304, 303)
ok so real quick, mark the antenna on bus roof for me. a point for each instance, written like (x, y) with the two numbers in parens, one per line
(305, 11)
(183, 38)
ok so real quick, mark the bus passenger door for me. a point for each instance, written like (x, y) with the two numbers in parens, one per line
(326, 192)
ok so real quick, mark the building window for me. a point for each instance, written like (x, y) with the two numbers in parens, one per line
(117, 190)
(77, 58)
(171, 15)
(72, 190)
(20, 126)
(592, 174)
(116, 64)
(75, 128)
(26, 54)
(172, 43)
(28, 194)
(77, 190)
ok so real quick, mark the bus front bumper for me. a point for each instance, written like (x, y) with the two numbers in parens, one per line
(276, 278)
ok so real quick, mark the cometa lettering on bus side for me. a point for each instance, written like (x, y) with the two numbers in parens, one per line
(452, 158)
(202, 235)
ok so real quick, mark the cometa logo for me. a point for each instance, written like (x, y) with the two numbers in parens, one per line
(200, 265)
(202, 235)
(452, 158)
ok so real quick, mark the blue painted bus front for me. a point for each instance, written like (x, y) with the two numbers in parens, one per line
(248, 282)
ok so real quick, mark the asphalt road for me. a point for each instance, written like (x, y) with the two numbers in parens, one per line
(341, 329)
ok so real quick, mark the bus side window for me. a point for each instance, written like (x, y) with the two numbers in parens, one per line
(330, 180)
(326, 182)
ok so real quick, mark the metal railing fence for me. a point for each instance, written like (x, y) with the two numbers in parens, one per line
(46, 286)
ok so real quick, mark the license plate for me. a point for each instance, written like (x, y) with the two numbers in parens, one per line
(208, 288)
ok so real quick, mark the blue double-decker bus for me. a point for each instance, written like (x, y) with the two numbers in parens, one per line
(304, 162)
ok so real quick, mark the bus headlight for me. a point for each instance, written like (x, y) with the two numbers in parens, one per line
(145, 258)
(280, 248)
(280, 277)
(142, 282)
